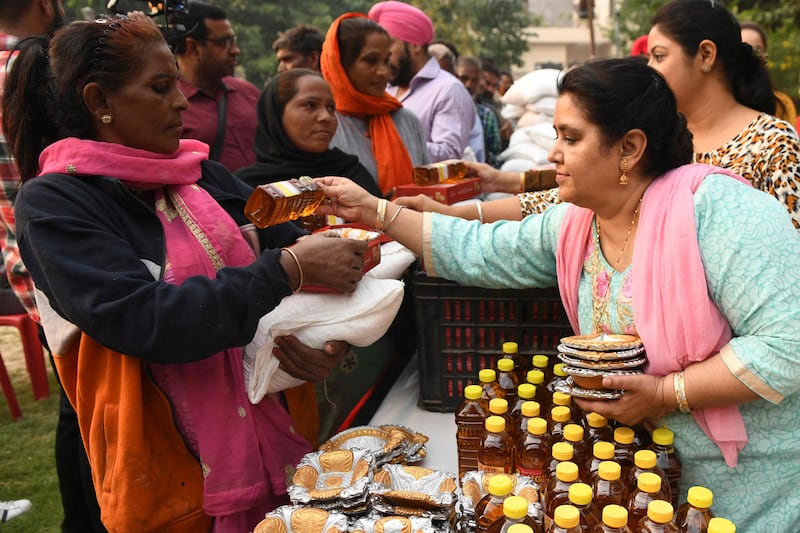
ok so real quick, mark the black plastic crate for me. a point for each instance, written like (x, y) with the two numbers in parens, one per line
(461, 329)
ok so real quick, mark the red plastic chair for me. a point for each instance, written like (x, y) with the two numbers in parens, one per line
(8, 391)
(32, 348)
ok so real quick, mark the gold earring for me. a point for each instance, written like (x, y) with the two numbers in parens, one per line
(105, 119)
(623, 167)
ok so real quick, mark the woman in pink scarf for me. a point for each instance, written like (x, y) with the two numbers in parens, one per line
(690, 258)
(152, 280)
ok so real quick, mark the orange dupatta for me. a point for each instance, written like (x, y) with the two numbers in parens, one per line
(391, 156)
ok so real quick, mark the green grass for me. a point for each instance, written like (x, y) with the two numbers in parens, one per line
(27, 455)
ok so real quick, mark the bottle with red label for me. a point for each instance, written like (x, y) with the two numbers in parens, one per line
(532, 455)
(496, 451)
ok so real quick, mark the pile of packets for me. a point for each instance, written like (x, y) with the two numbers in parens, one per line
(360, 480)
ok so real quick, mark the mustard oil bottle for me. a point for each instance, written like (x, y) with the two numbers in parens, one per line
(515, 511)
(449, 170)
(530, 409)
(721, 525)
(624, 449)
(695, 514)
(566, 519)
(470, 420)
(667, 459)
(558, 488)
(499, 407)
(608, 488)
(511, 351)
(601, 451)
(615, 520)
(282, 201)
(520, 528)
(645, 461)
(648, 488)
(487, 379)
(597, 428)
(525, 393)
(559, 452)
(543, 396)
(580, 495)
(496, 451)
(658, 519)
(507, 380)
(532, 455)
(560, 416)
(541, 362)
(490, 507)
(573, 433)
(560, 398)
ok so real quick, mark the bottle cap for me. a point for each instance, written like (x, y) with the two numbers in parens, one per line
(496, 424)
(644, 458)
(567, 471)
(649, 482)
(567, 516)
(520, 528)
(515, 507)
(562, 451)
(560, 398)
(500, 484)
(603, 450)
(700, 497)
(660, 511)
(663, 436)
(609, 470)
(558, 370)
(720, 525)
(560, 413)
(498, 406)
(473, 392)
(530, 409)
(510, 347)
(487, 375)
(541, 361)
(537, 426)
(580, 494)
(526, 391)
(623, 435)
(535, 377)
(615, 516)
(505, 365)
(596, 420)
(573, 433)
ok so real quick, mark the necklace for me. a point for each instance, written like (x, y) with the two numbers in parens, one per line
(627, 236)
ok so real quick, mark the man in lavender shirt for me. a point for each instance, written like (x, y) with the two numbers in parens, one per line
(439, 99)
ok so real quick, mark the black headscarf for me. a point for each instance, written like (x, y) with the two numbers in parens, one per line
(278, 159)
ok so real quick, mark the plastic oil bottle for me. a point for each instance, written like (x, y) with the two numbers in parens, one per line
(487, 379)
(597, 428)
(470, 420)
(541, 362)
(558, 488)
(533, 453)
(507, 379)
(530, 409)
(543, 396)
(601, 451)
(645, 461)
(580, 495)
(282, 201)
(624, 449)
(511, 351)
(559, 451)
(525, 393)
(667, 459)
(648, 488)
(608, 487)
(499, 407)
(560, 416)
(490, 507)
(566, 519)
(615, 520)
(496, 450)
(695, 514)
(515, 511)
(446, 171)
(573, 433)
(721, 525)
(658, 519)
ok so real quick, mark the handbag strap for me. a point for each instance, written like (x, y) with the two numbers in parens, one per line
(219, 140)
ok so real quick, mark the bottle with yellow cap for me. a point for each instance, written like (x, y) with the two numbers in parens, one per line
(608, 487)
(658, 518)
(566, 519)
(541, 362)
(695, 514)
(581, 496)
(530, 409)
(624, 448)
(559, 452)
(601, 451)
(511, 351)
(520, 528)
(648, 488)
(645, 461)
(532, 454)
(515, 511)
(559, 375)
(573, 433)
(561, 398)
(558, 488)
(496, 451)
(615, 520)
(597, 428)
(470, 419)
(560, 416)
(487, 379)
(525, 393)
(721, 525)
(543, 396)
(490, 507)
(499, 407)
(667, 459)
(282, 201)
(507, 379)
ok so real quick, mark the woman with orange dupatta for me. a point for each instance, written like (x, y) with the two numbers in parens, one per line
(373, 125)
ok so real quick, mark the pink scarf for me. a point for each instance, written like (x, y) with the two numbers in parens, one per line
(231, 436)
(673, 313)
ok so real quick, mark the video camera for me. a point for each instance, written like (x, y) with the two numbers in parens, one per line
(174, 13)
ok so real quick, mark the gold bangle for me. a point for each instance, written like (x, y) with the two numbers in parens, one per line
(480, 211)
(381, 215)
(522, 180)
(680, 392)
(299, 268)
(399, 208)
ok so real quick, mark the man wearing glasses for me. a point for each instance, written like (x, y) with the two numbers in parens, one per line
(222, 109)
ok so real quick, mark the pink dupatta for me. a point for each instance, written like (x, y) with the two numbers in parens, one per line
(244, 448)
(673, 312)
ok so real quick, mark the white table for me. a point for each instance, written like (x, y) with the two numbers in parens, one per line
(400, 407)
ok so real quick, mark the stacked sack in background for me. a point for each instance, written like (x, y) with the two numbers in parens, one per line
(529, 105)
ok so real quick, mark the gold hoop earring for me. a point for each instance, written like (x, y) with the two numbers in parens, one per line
(623, 168)
(105, 119)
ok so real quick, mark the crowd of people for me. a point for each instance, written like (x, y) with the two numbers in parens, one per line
(674, 216)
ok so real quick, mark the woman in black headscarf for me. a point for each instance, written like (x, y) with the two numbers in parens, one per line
(296, 121)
